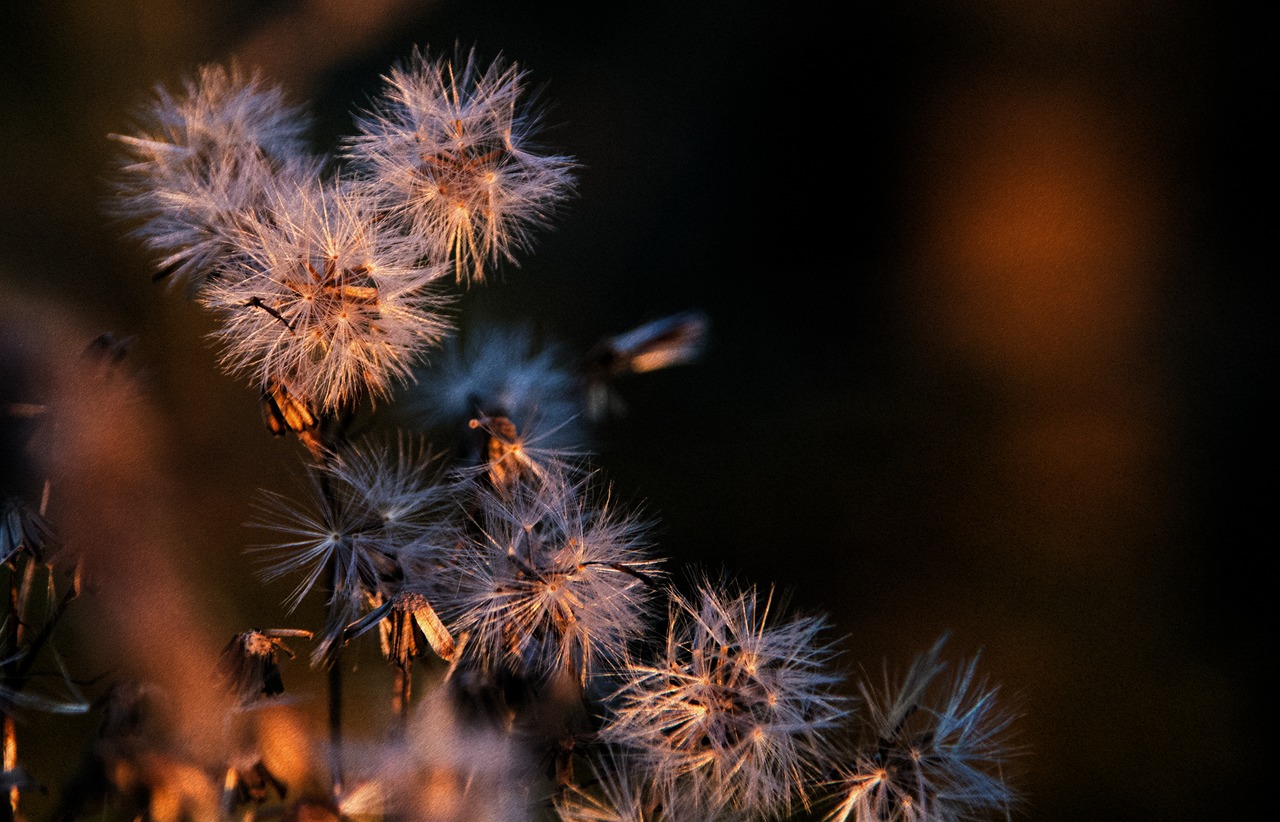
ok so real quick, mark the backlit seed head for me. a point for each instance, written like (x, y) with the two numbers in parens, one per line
(734, 716)
(552, 579)
(934, 749)
(491, 371)
(201, 158)
(449, 150)
(322, 298)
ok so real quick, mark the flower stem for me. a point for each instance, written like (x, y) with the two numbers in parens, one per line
(335, 663)
(403, 691)
(9, 807)
(320, 439)
(335, 717)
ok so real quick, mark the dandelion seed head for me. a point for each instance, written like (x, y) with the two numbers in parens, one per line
(934, 748)
(449, 149)
(225, 108)
(402, 484)
(493, 371)
(734, 716)
(370, 520)
(202, 157)
(325, 300)
(556, 580)
(316, 537)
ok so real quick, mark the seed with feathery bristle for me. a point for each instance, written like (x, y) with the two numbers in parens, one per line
(551, 579)
(933, 749)
(325, 300)
(449, 150)
(733, 717)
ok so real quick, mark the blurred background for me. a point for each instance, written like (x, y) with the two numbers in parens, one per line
(986, 297)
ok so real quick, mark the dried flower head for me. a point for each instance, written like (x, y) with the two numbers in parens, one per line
(493, 371)
(449, 150)
(324, 299)
(370, 520)
(732, 718)
(250, 663)
(933, 751)
(511, 457)
(202, 158)
(408, 625)
(552, 579)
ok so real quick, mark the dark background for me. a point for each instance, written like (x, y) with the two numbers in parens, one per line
(986, 299)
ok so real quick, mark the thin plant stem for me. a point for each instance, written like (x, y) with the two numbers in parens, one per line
(403, 691)
(335, 667)
(12, 674)
(320, 445)
(335, 717)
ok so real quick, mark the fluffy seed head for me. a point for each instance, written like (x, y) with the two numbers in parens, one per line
(371, 519)
(323, 299)
(552, 580)
(732, 717)
(491, 371)
(449, 149)
(933, 749)
(201, 158)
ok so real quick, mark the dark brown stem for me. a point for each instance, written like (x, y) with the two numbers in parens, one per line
(317, 433)
(403, 691)
(42, 636)
(335, 717)
(321, 440)
(335, 663)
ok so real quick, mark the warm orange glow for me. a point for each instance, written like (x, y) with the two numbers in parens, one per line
(1039, 241)
(11, 756)
(285, 46)
(1040, 255)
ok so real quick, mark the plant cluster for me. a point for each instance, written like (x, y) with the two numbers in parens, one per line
(564, 669)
